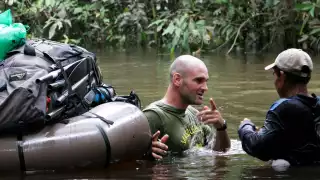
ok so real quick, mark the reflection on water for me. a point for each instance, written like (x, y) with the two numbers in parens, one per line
(240, 87)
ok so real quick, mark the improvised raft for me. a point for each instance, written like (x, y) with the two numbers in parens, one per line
(85, 124)
(86, 141)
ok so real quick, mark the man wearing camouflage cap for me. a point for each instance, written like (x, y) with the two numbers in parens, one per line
(289, 129)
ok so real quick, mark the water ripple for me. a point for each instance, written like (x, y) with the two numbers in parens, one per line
(236, 148)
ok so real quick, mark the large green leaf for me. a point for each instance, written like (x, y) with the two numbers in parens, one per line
(178, 32)
(39, 3)
(185, 43)
(314, 31)
(305, 6)
(303, 38)
(49, 22)
(77, 10)
(311, 12)
(268, 3)
(182, 19)
(67, 21)
(49, 3)
(169, 29)
(157, 22)
(201, 23)
(9, 2)
(62, 13)
(192, 25)
(184, 25)
(52, 30)
(175, 41)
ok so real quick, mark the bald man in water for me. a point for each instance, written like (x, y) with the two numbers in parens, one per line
(180, 125)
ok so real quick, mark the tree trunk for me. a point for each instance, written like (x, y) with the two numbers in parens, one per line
(290, 39)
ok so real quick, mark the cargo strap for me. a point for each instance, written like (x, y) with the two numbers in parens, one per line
(65, 77)
(20, 153)
(109, 122)
(107, 143)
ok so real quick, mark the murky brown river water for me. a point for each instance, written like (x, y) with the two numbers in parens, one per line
(240, 87)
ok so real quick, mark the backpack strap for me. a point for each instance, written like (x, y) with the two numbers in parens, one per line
(277, 103)
(64, 74)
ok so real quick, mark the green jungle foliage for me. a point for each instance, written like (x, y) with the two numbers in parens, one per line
(174, 25)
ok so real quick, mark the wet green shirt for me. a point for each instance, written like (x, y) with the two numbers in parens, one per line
(181, 125)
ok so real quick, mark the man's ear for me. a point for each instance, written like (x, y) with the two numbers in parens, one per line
(282, 77)
(177, 79)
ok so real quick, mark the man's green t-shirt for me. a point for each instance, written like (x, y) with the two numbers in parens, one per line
(181, 125)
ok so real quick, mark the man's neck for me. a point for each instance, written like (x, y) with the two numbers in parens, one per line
(299, 89)
(173, 98)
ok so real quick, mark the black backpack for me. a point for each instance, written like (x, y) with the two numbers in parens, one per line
(43, 82)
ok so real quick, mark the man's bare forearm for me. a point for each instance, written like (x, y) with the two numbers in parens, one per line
(222, 141)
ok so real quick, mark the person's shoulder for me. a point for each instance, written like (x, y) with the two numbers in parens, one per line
(279, 104)
(287, 104)
(152, 106)
(153, 110)
(151, 115)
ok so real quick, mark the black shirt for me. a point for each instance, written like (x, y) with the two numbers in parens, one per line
(288, 132)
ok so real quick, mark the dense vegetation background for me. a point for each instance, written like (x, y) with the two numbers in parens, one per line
(174, 25)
